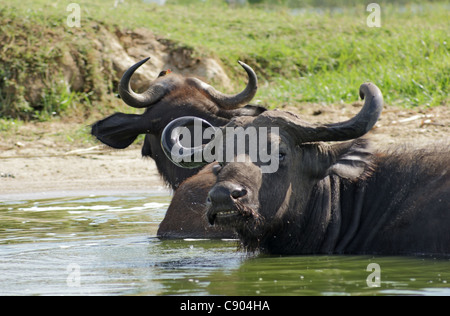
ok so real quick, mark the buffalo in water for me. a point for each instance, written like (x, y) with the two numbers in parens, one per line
(169, 97)
(331, 193)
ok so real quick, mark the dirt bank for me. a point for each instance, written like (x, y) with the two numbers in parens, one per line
(70, 174)
(35, 161)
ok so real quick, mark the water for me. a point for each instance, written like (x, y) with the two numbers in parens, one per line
(106, 245)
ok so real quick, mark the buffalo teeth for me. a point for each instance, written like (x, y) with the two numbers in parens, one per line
(226, 213)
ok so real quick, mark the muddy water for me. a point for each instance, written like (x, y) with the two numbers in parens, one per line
(106, 245)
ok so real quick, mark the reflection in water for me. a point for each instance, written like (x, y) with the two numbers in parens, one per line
(108, 245)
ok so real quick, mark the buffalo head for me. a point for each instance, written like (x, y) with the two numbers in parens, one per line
(260, 204)
(171, 96)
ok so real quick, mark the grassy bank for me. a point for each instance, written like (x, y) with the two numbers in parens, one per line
(301, 55)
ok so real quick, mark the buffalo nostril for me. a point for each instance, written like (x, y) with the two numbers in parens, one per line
(236, 194)
(225, 194)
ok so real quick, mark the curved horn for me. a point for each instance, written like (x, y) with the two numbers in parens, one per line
(354, 127)
(234, 101)
(175, 131)
(154, 93)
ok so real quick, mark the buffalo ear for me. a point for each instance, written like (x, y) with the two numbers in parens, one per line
(120, 130)
(351, 160)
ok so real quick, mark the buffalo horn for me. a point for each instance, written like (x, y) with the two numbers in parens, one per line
(154, 93)
(354, 127)
(234, 101)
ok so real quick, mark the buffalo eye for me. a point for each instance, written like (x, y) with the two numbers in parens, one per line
(281, 156)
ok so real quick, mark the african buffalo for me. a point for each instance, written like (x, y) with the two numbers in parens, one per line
(171, 96)
(185, 217)
(327, 198)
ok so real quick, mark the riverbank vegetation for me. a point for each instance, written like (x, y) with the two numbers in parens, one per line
(302, 52)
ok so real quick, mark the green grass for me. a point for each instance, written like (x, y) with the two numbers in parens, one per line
(300, 56)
